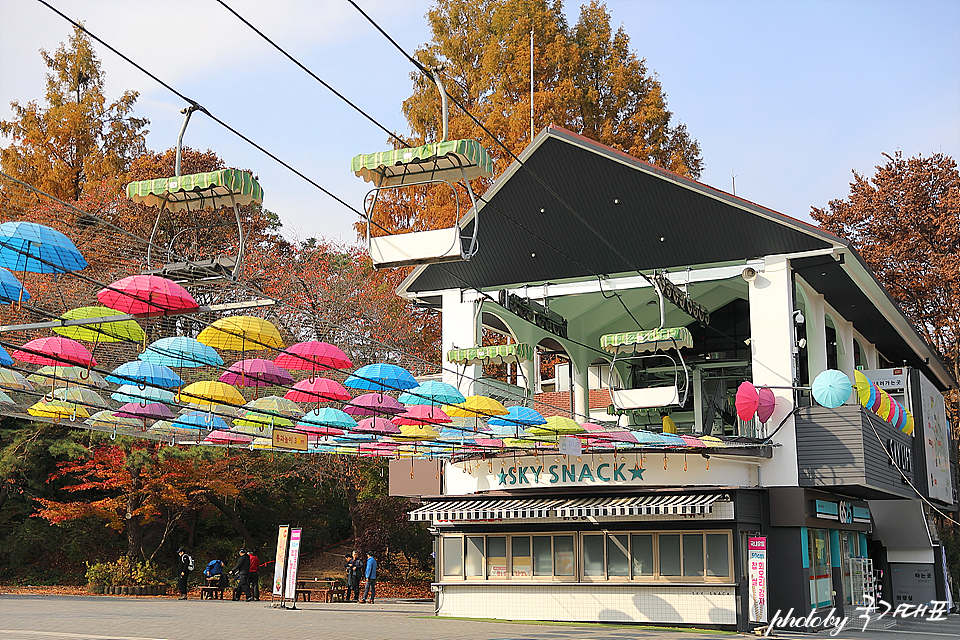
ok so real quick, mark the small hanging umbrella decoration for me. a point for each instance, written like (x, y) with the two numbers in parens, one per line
(747, 400)
(133, 393)
(318, 390)
(312, 356)
(123, 331)
(831, 388)
(228, 438)
(55, 351)
(5, 399)
(106, 420)
(200, 420)
(5, 359)
(377, 426)
(374, 404)
(27, 246)
(13, 381)
(381, 377)
(48, 376)
(151, 410)
(211, 392)
(515, 420)
(275, 404)
(11, 289)
(326, 421)
(58, 410)
(256, 373)
(181, 352)
(433, 392)
(146, 294)
(766, 404)
(145, 373)
(241, 333)
(80, 395)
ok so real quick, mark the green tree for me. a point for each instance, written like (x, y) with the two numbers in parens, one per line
(76, 138)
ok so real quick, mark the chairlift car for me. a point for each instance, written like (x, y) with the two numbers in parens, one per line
(450, 162)
(662, 346)
(193, 192)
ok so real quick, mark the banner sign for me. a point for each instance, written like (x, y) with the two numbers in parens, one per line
(280, 560)
(936, 442)
(681, 300)
(757, 550)
(293, 561)
(289, 440)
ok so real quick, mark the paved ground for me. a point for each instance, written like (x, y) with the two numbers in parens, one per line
(24, 617)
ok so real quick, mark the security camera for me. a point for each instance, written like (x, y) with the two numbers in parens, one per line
(802, 343)
(798, 317)
(749, 274)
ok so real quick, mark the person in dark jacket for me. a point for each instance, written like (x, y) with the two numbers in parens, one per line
(242, 571)
(183, 572)
(370, 573)
(254, 575)
(354, 570)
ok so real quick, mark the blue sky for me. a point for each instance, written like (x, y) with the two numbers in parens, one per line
(788, 95)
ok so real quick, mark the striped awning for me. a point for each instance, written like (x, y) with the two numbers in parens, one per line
(198, 190)
(496, 354)
(598, 507)
(447, 160)
(647, 340)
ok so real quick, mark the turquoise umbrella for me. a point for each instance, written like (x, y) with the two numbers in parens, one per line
(147, 373)
(516, 419)
(832, 388)
(433, 392)
(133, 393)
(201, 420)
(180, 351)
(27, 246)
(328, 417)
(11, 289)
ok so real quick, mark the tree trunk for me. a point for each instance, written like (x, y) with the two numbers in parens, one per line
(353, 507)
(226, 510)
(134, 534)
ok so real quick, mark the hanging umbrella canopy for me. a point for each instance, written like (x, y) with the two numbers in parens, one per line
(862, 386)
(80, 395)
(711, 441)
(241, 333)
(766, 404)
(275, 404)
(328, 417)
(106, 420)
(133, 393)
(256, 372)
(58, 409)
(180, 351)
(312, 356)
(518, 416)
(747, 401)
(691, 441)
(318, 390)
(55, 351)
(672, 440)
(167, 428)
(433, 392)
(27, 246)
(5, 399)
(48, 375)
(415, 432)
(123, 331)
(144, 294)
(556, 426)
(225, 410)
(476, 407)
(153, 410)
(11, 289)
(211, 392)
(212, 189)
(227, 438)
(381, 377)
(12, 380)
(648, 437)
(200, 420)
(376, 425)
(374, 404)
(883, 410)
(831, 388)
(146, 373)
(259, 423)
(5, 359)
(422, 414)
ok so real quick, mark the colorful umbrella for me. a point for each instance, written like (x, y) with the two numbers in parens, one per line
(691, 441)
(49, 375)
(381, 377)
(766, 404)
(5, 359)
(133, 393)
(5, 399)
(433, 392)
(476, 407)
(908, 425)
(556, 426)
(256, 372)
(144, 294)
(200, 420)
(14, 381)
(154, 410)
(422, 414)
(862, 384)
(211, 392)
(886, 402)
(55, 351)
(517, 416)
(27, 246)
(123, 331)
(258, 424)
(227, 438)
(318, 390)
(11, 289)
(376, 425)
(328, 417)
(58, 409)
(873, 403)
(747, 401)
(275, 404)
(312, 356)
(106, 420)
(146, 373)
(415, 432)
(80, 395)
(832, 388)
(167, 428)
(241, 333)
(374, 404)
(180, 351)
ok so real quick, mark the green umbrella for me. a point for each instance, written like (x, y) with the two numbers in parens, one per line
(123, 331)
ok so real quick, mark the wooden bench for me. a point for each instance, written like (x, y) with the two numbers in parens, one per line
(311, 584)
(211, 593)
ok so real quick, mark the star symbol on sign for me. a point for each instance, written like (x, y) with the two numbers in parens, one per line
(636, 473)
(502, 476)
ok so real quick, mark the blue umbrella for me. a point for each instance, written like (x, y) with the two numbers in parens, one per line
(133, 393)
(433, 392)
(832, 388)
(381, 377)
(180, 351)
(12, 289)
(201, 420)
(516, 418)
(147, 373)
(5, 359)
(328, 417)
(27, 246)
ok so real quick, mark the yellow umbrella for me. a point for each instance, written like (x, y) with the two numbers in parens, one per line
(476, 407)
(862, 385)
(241, 333)
(211, 392)
(885, 405)
(123, 331)
(261, 443)
(415, 432)
(556, 425)
(908, 427)
(58, 409)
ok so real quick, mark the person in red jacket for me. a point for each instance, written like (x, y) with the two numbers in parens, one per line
(254, 575)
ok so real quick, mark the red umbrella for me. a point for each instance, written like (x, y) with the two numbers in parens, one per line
(317, 390)
(146, 294)
(312, 356)
(767, 403)
(376, 425)
(256, 372)
(422, 414)
(374, 404)
(747, 401)
(54, 351)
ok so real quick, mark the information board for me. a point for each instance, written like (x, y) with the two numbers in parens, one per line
(293, 562)
(757, 550)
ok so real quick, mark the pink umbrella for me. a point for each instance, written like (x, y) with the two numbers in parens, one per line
(489, 442)
(374, 404)
(154, 410)
(318, 390)
(747, 400)
(146, 294)
(690, 441)
(767, 404)
(54, 351)
(422, 414)
(255, 372)
(379, 448)
(227, 437)
(312, 356)
(380, 426)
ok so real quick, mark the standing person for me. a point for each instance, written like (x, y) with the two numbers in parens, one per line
(354, 569)
(370, 588)
(242, 571)
(254, 575)
(185, 567)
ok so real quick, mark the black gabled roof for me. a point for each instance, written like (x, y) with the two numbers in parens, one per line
(655, 219)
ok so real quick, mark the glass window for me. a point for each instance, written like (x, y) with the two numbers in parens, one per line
(820, 572)
(693, 554)
(641, 547)
(618, 555)
(669, 554)
(542, 556)
(593, 555)
(452, 556)
(718, 555)
(520, 556)
(474, 562)
(563, 555)
(497, 557)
